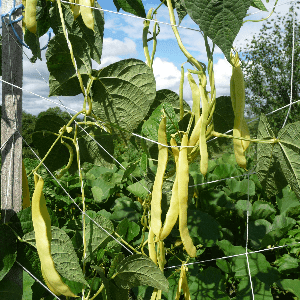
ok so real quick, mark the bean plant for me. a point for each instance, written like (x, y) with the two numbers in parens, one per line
(146, 226)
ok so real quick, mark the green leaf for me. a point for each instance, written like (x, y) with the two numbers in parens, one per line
(28, 281)
(94, 39)
(10, 290)
(220, 21)
(181, 10)
(262, 210)
(259, 5)
(288, 202)
(256, 231)
(32, 41)
(287, 151)
(55, 21)
(43, 140)
(287, 264)
(91, 152)
(150, 127)
(8, 250)
(63, 254)
(223, 114)
(168, 96)
(139, 189)
(63, 80)
(291, 285)
(134, 7)
(258, 264)
(261, 290)
(203, 228)
(123, 93)
(137, 270)
(126, 208)
(242, 206)
(281, 225)
(268, 169)
(97, 237)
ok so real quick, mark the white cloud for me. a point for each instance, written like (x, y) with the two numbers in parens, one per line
(115, 47)
(222, 72)
(166, 74)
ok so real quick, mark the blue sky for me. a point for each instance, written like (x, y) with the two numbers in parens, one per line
(123, 39)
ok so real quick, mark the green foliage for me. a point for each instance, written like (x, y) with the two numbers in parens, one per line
(267, 65)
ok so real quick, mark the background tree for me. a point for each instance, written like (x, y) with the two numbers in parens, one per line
(267, 67)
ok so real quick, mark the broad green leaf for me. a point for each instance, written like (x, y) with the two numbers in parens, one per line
(203, 228)
(63, 254)
(137, 270)
(281, 225)
(268, 169)
(94, 38)
(33, 42)
(168, 96)
(115, 262)
(123, 94)
(242, 206)
(126, 208)
(287, 152)
(28, 281)
(97, 236)
(10, 290)
(287, 264)
(55, 21)
(256, 231)
(258, 264)
(262, 210)
(134, 7)
(181, 10)
(150, 127)
(63, 80)
(139, 189)
(288, 202)
(96, 147)
(259, 5)
(223, 115)
(8, 250)
(101, 190)
(291, 285)
(220, 21)
(243, 187)
(261, 290)
(43, 139)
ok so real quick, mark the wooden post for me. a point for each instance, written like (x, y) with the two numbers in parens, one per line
(11, 153)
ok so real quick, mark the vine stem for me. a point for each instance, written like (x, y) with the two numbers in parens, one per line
(123, 241)
(57, 139)
(190, 58)
(70, 47)
(270, 141)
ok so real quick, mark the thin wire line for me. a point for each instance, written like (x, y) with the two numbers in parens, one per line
(73, 199)
(36, 279)
(247, 234)
(145, 19)
(292, 69)
(232, 256)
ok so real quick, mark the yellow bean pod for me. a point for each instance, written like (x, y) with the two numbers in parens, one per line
(25, 188)
(203, 124)
(87, 13)
(195, 97)
(173, 210)
(183, 185)
(158, 182)
(151, 246)
(240, 128)
(75, 9)
(42, 229)
(30, 15)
